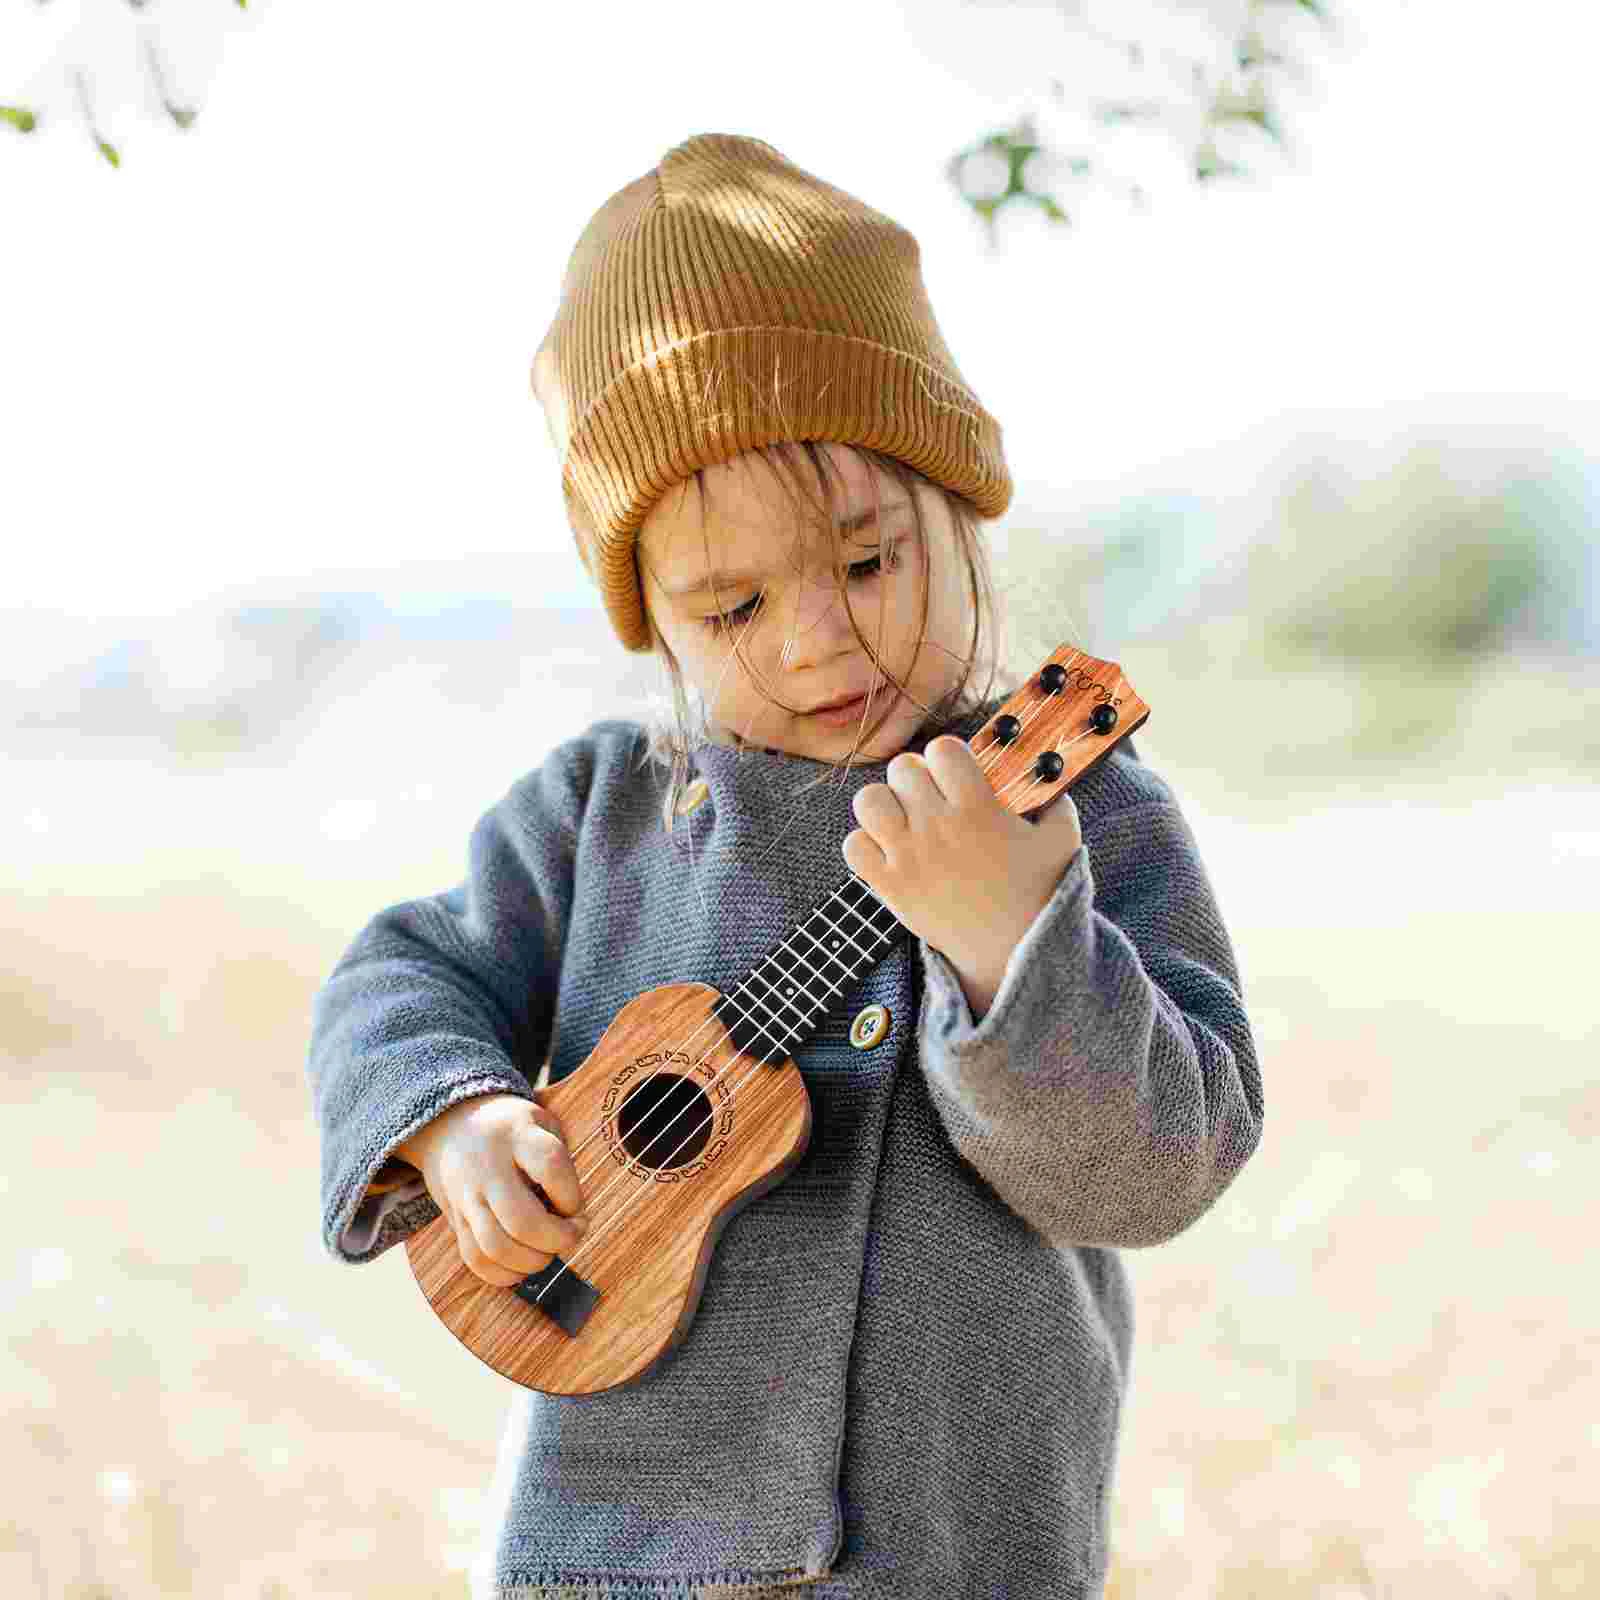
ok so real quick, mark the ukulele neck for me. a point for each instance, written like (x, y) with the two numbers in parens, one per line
(784, 997)
(1059, 725)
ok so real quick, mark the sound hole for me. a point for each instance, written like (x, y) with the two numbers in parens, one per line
(665, 1122)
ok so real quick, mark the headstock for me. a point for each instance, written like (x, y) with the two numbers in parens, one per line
(1065, 720)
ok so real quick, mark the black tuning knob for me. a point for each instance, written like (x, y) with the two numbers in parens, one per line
(1052, 677)
(1103, 718)
(1048, 765)
(1006, 728)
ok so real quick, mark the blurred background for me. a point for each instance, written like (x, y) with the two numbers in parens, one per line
(1286, 311)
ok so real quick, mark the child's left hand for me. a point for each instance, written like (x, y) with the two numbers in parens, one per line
(940, 850)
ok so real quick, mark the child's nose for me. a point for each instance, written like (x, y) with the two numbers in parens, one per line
(820, 617)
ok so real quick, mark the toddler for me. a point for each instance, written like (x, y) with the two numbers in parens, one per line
(907, 1368)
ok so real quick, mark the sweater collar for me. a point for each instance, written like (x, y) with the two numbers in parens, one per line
(761, 782)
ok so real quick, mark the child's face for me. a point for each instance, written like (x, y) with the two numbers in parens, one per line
(797, 641)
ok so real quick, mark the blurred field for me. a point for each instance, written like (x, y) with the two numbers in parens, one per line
(1370, 1371)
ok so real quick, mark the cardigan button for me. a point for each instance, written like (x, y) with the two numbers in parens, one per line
(870, 1027)
(692, 796)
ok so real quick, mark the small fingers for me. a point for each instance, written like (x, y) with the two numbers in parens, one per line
(504, 1257)
(959, 772)
(488, 1251)
(541, 1153)
(545, 1118)
(914, 785)
(529, 1220)
(879, 811)
(863, 854)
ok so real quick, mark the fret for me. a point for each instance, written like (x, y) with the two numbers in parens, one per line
(785, 993)
(790, 973)
(801, 980)
(810, 960)
(736, 1008)
(854, 923)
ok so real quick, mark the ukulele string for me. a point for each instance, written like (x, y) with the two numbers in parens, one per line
(1024, 721)
(595, 1132)
(1057, 747)
(641, 1190)
(704, 1024)
(992, 750)
(611, 1220)
(772, 844)
(707, 1021)
(993, 746)
(817, 1005)
(615, 1218)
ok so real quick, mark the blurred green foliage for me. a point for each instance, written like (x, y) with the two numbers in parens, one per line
(1444, 550)
(1219, 106)
(1437, 602)
(1424, 561)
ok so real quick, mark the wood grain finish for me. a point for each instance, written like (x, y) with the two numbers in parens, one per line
(652, 1228)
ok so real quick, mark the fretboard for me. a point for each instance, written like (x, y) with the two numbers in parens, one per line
(786, 994)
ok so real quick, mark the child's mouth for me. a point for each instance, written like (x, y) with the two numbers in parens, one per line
(843, 716)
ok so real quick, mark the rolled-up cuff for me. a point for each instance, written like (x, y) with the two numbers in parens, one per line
(361, 1225)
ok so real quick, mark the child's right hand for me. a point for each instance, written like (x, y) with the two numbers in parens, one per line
(480, 1160)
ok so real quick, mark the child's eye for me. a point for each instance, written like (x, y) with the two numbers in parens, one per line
(726, 619)
(861, 570)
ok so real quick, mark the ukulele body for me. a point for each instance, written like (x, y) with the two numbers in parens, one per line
(656, 1209)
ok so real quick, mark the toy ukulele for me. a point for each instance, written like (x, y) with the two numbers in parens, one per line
(690, 1105)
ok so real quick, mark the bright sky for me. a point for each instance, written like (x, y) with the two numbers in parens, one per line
(295, 341)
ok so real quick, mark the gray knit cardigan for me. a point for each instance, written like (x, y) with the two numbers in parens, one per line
(907, 1369)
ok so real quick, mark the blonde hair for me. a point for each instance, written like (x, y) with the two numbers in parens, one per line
(677, 724)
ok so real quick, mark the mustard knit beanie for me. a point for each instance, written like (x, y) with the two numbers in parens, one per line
(727, 300)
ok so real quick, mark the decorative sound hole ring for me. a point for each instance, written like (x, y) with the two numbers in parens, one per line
(665, 1122)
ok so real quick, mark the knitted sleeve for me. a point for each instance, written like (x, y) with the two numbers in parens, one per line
(442, 998)
(1111, 1092)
